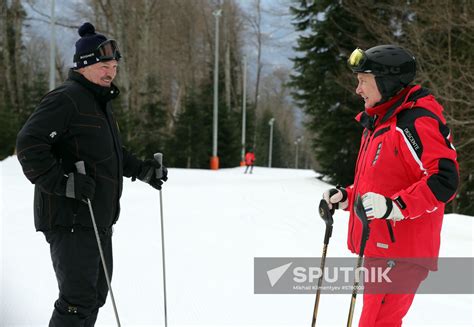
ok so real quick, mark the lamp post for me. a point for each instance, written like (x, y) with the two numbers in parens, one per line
(270, 148)
(52, 49)
(215, 158)
(297, 142)
(244, 109)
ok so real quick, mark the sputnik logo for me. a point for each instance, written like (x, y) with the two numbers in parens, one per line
(275, 274)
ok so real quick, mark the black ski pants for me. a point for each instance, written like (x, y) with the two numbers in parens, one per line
(246, 168)
(80, 275)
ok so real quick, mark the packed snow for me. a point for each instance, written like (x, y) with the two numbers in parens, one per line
(216, 222)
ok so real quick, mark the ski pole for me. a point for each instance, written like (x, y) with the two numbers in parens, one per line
(81, 169)
(159, 173)
(360, 211)
(326, 215)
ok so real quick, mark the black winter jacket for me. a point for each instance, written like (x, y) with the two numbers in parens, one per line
(74, 123)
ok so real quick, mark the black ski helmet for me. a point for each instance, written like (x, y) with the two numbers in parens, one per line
(394, 67)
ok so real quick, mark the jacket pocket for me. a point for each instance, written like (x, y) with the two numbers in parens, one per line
(93, 138)
(390, 231)
(65, 211)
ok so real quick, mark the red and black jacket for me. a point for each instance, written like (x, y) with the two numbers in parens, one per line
(406, 154)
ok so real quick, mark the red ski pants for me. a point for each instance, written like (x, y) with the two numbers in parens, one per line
(385, 310)
(388, 308)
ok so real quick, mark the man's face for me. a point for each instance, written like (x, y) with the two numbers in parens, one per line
(101, 73)
(367, 89)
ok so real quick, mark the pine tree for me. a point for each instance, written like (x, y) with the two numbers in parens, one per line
(279, 145)
(229, 138)
(190, 145)
(326, 40)
(143, 130)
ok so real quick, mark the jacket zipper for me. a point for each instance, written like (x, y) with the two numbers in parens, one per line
(75, 209)
(115, 138)
(360, 165)
(368, 140)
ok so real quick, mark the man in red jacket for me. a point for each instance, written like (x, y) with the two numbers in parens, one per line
(405, 173)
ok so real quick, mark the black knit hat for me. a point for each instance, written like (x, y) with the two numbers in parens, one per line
(89, 47)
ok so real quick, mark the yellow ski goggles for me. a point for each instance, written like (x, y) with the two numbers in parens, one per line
(356, 59)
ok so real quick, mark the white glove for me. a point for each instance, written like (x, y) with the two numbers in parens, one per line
(336, 197)
(379, 206)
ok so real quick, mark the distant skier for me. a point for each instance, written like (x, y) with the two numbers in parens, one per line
(73, 123)
(249, 160)
(406, 173)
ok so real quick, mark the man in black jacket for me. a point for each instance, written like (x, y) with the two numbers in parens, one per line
(75, 123)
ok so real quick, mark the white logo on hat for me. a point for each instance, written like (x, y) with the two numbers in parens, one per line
(86, 56)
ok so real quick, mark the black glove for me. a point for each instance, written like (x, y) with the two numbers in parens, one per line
(164, 174)
(147, 173)
(79, 186)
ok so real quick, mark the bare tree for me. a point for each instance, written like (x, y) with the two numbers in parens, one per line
(275, 98)
(254, 19)
(12, 24)
(167, 49)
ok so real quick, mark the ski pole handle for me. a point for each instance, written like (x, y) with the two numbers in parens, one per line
(326, 215)
(81, 168)
(159, 157)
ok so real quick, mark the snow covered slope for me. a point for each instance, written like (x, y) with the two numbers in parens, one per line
(216, 222)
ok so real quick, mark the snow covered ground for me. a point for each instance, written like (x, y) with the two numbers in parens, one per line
(216, 222)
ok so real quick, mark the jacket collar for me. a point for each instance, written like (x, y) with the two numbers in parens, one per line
(383, 112)
(387, 108)
(103, 94)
